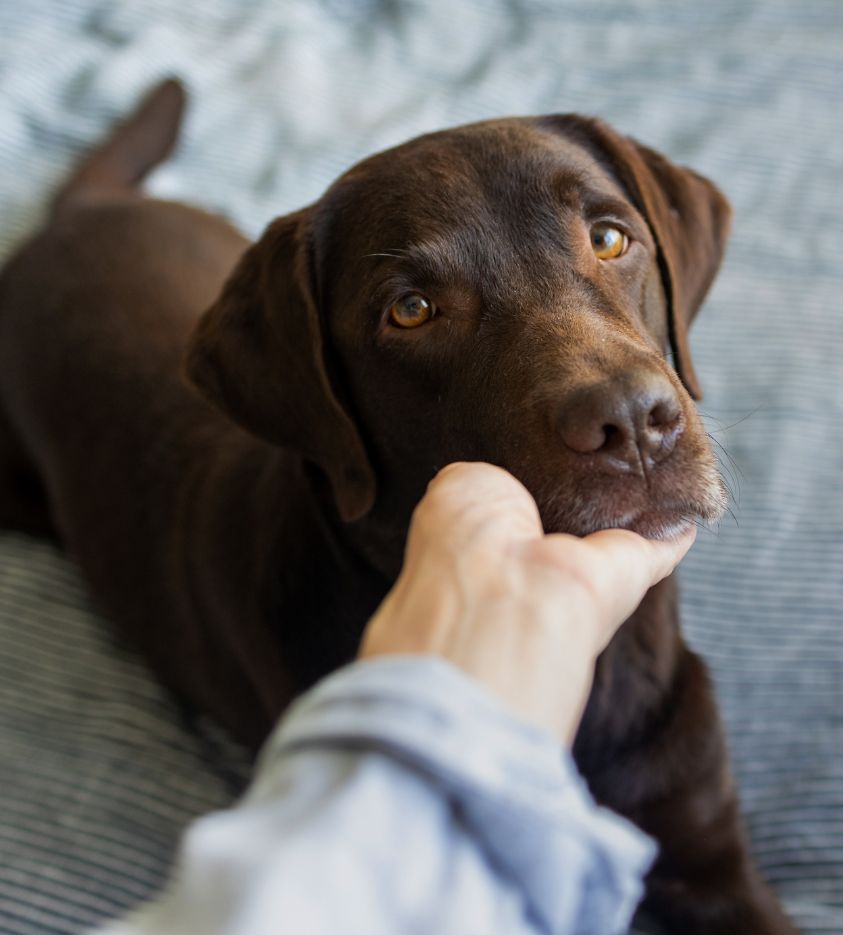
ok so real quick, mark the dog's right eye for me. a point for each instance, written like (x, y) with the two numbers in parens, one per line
(411, 310)
(607, 242)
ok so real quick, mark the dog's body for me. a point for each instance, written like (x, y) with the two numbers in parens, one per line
(245, 561)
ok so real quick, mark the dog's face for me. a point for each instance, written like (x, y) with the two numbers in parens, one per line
(504, 292)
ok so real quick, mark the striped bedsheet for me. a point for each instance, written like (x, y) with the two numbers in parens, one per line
(99, 767)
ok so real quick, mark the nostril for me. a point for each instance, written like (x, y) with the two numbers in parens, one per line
(613, 438)
(663, 415)
(663, 428)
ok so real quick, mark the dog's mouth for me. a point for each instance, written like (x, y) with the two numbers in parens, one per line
(658, 523)
(641, 511)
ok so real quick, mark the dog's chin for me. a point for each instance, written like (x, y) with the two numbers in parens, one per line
(651, 524)
(658, 524)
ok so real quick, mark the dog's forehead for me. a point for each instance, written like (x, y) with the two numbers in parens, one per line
(490, 176)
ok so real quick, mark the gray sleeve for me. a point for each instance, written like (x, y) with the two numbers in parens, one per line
(399, 796)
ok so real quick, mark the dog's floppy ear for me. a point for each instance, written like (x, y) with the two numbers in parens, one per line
(258, 355)
(688, 216)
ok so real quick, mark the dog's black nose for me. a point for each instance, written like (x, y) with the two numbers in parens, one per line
(628, 424)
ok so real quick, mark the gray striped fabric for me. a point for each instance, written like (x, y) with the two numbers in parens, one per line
(99, 768)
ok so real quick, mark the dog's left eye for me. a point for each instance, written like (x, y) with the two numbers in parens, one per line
(607, 242)
(411, 311)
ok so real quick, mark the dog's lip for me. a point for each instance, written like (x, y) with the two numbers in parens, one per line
(662, 523)
(651, 511)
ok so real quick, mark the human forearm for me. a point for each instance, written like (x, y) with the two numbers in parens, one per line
(400, 796)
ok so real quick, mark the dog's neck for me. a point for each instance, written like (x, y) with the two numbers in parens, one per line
(322, 586)
(642, 661)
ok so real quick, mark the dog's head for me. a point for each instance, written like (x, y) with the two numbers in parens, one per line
(506, 291)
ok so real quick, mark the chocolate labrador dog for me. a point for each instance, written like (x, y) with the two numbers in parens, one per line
(505, 292)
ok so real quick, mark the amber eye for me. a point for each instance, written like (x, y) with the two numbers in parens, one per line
(411, 310)
(608, 242)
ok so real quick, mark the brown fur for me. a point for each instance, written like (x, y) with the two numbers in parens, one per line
(242, 545)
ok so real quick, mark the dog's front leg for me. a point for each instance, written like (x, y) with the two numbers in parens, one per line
(652, 748)
(704, 881)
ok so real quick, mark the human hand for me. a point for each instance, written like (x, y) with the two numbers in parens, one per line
(524, 613)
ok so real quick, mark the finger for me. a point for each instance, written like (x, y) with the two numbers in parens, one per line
(613, 569)
(656, 558)
(628, 565)
(467, 500)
